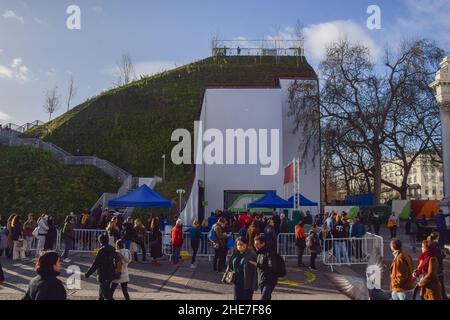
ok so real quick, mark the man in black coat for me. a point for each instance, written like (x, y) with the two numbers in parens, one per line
(104, 265)
(264, 264)
(271, 235)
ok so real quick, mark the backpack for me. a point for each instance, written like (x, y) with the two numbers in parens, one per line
(212, 235)
(279, 266)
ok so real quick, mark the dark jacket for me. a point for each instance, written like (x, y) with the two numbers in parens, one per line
(128, 232)
(357, 230)
(68, 232)
(414, 229)
(103, 264)
(339, 230)
(155, 243)
(17, 232)
(45, 288)
(284, 226)
(265, 266)
(250, 274)
(271, 237)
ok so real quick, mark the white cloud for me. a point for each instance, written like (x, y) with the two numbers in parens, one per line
(9, 14)
(4, 116)
(319, 36)
(37, 20)
(17, 70)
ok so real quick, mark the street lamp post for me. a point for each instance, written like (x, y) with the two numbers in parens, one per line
(181, 192)
(164, 166)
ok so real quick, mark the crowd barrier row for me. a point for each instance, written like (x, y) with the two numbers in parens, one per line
(335, 252)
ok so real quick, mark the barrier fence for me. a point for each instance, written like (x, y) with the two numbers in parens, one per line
(336, 251)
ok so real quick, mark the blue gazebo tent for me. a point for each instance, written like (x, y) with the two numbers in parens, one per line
(143, 197)
(270, 200)
(304, 202)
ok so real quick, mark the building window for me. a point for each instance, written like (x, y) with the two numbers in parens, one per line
(434, 192)
(426, 192)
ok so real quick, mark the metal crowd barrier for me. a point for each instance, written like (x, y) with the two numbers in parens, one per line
(350, 251)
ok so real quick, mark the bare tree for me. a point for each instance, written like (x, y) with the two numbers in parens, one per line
(51, 101)
(126, 70)
(72, 92)
(374, 114)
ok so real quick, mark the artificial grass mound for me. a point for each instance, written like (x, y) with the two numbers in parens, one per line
(32, 181)
(131, 125)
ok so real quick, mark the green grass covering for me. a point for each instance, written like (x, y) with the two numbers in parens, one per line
(32, 181)
(131, 126)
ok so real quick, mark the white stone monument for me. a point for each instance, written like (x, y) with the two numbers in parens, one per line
(442, 87)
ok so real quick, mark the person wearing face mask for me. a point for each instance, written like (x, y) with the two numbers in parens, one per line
(245, 282)
(46, 285)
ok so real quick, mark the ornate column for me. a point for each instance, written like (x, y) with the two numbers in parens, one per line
(442, 87)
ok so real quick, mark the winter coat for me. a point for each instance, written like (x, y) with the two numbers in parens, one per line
(195, 234)
(221, 237)
(103, 264)
(177, 236)
(402, 273)
(155, 243)
(17, 232)
(358, 230)
(125, 256)
(139, 235)
(68, 232)
(43, 227)
(265, 266)
(271, 237)
(128, 232)
(284, 226)
(313, 243)
(29, 227)
(250, 273)
(430, 286)
(47, 287)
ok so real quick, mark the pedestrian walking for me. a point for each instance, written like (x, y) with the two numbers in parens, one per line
(68, 236)
(41, 233)
(19, 244)
(245, 274)
(46, 285)
(220, 245)
(105, 267)
(314, 245)
(28, 228)
(139, 234)
(401, 273)
(124, 255)
(300, 243)
(155, 241)
(265, 266)
(392, 224)
(52, 233)
(270, 234)
(430, 286)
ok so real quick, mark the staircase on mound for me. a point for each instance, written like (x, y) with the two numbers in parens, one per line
(10, 135)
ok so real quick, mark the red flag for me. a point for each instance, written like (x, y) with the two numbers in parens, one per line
(289, 174)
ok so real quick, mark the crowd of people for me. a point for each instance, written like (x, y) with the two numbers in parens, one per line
(250, 238)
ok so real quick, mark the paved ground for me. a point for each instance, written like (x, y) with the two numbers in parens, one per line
(167, 282)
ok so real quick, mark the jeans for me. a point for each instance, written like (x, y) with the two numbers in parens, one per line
(313, 259)
(300, 251)
(220, 256)
(358, 249)
(240, 293)
(340, 248)
(127, 244)
(176, 255)
(405, 295)
(194, 244)
(144, 253)
(266, 292)
(40, 244)
(124, 287)
(104, 290)
(68, 245)
(29, 243)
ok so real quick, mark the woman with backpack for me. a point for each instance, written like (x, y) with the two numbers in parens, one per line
(300, 242)
(314, 245)
(124, 258)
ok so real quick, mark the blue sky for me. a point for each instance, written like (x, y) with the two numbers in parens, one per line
(37, 51)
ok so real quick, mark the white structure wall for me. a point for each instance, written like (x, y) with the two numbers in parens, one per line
(258, 108)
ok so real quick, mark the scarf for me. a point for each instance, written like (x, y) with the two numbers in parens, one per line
(424, 261)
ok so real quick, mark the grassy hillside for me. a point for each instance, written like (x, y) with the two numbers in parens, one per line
(131, 126)
(32, 181)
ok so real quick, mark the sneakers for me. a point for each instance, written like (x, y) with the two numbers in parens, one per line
(67, 260)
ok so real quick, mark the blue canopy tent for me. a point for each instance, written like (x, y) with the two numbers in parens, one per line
(143, 197)
(304, 202)
(270, 200)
